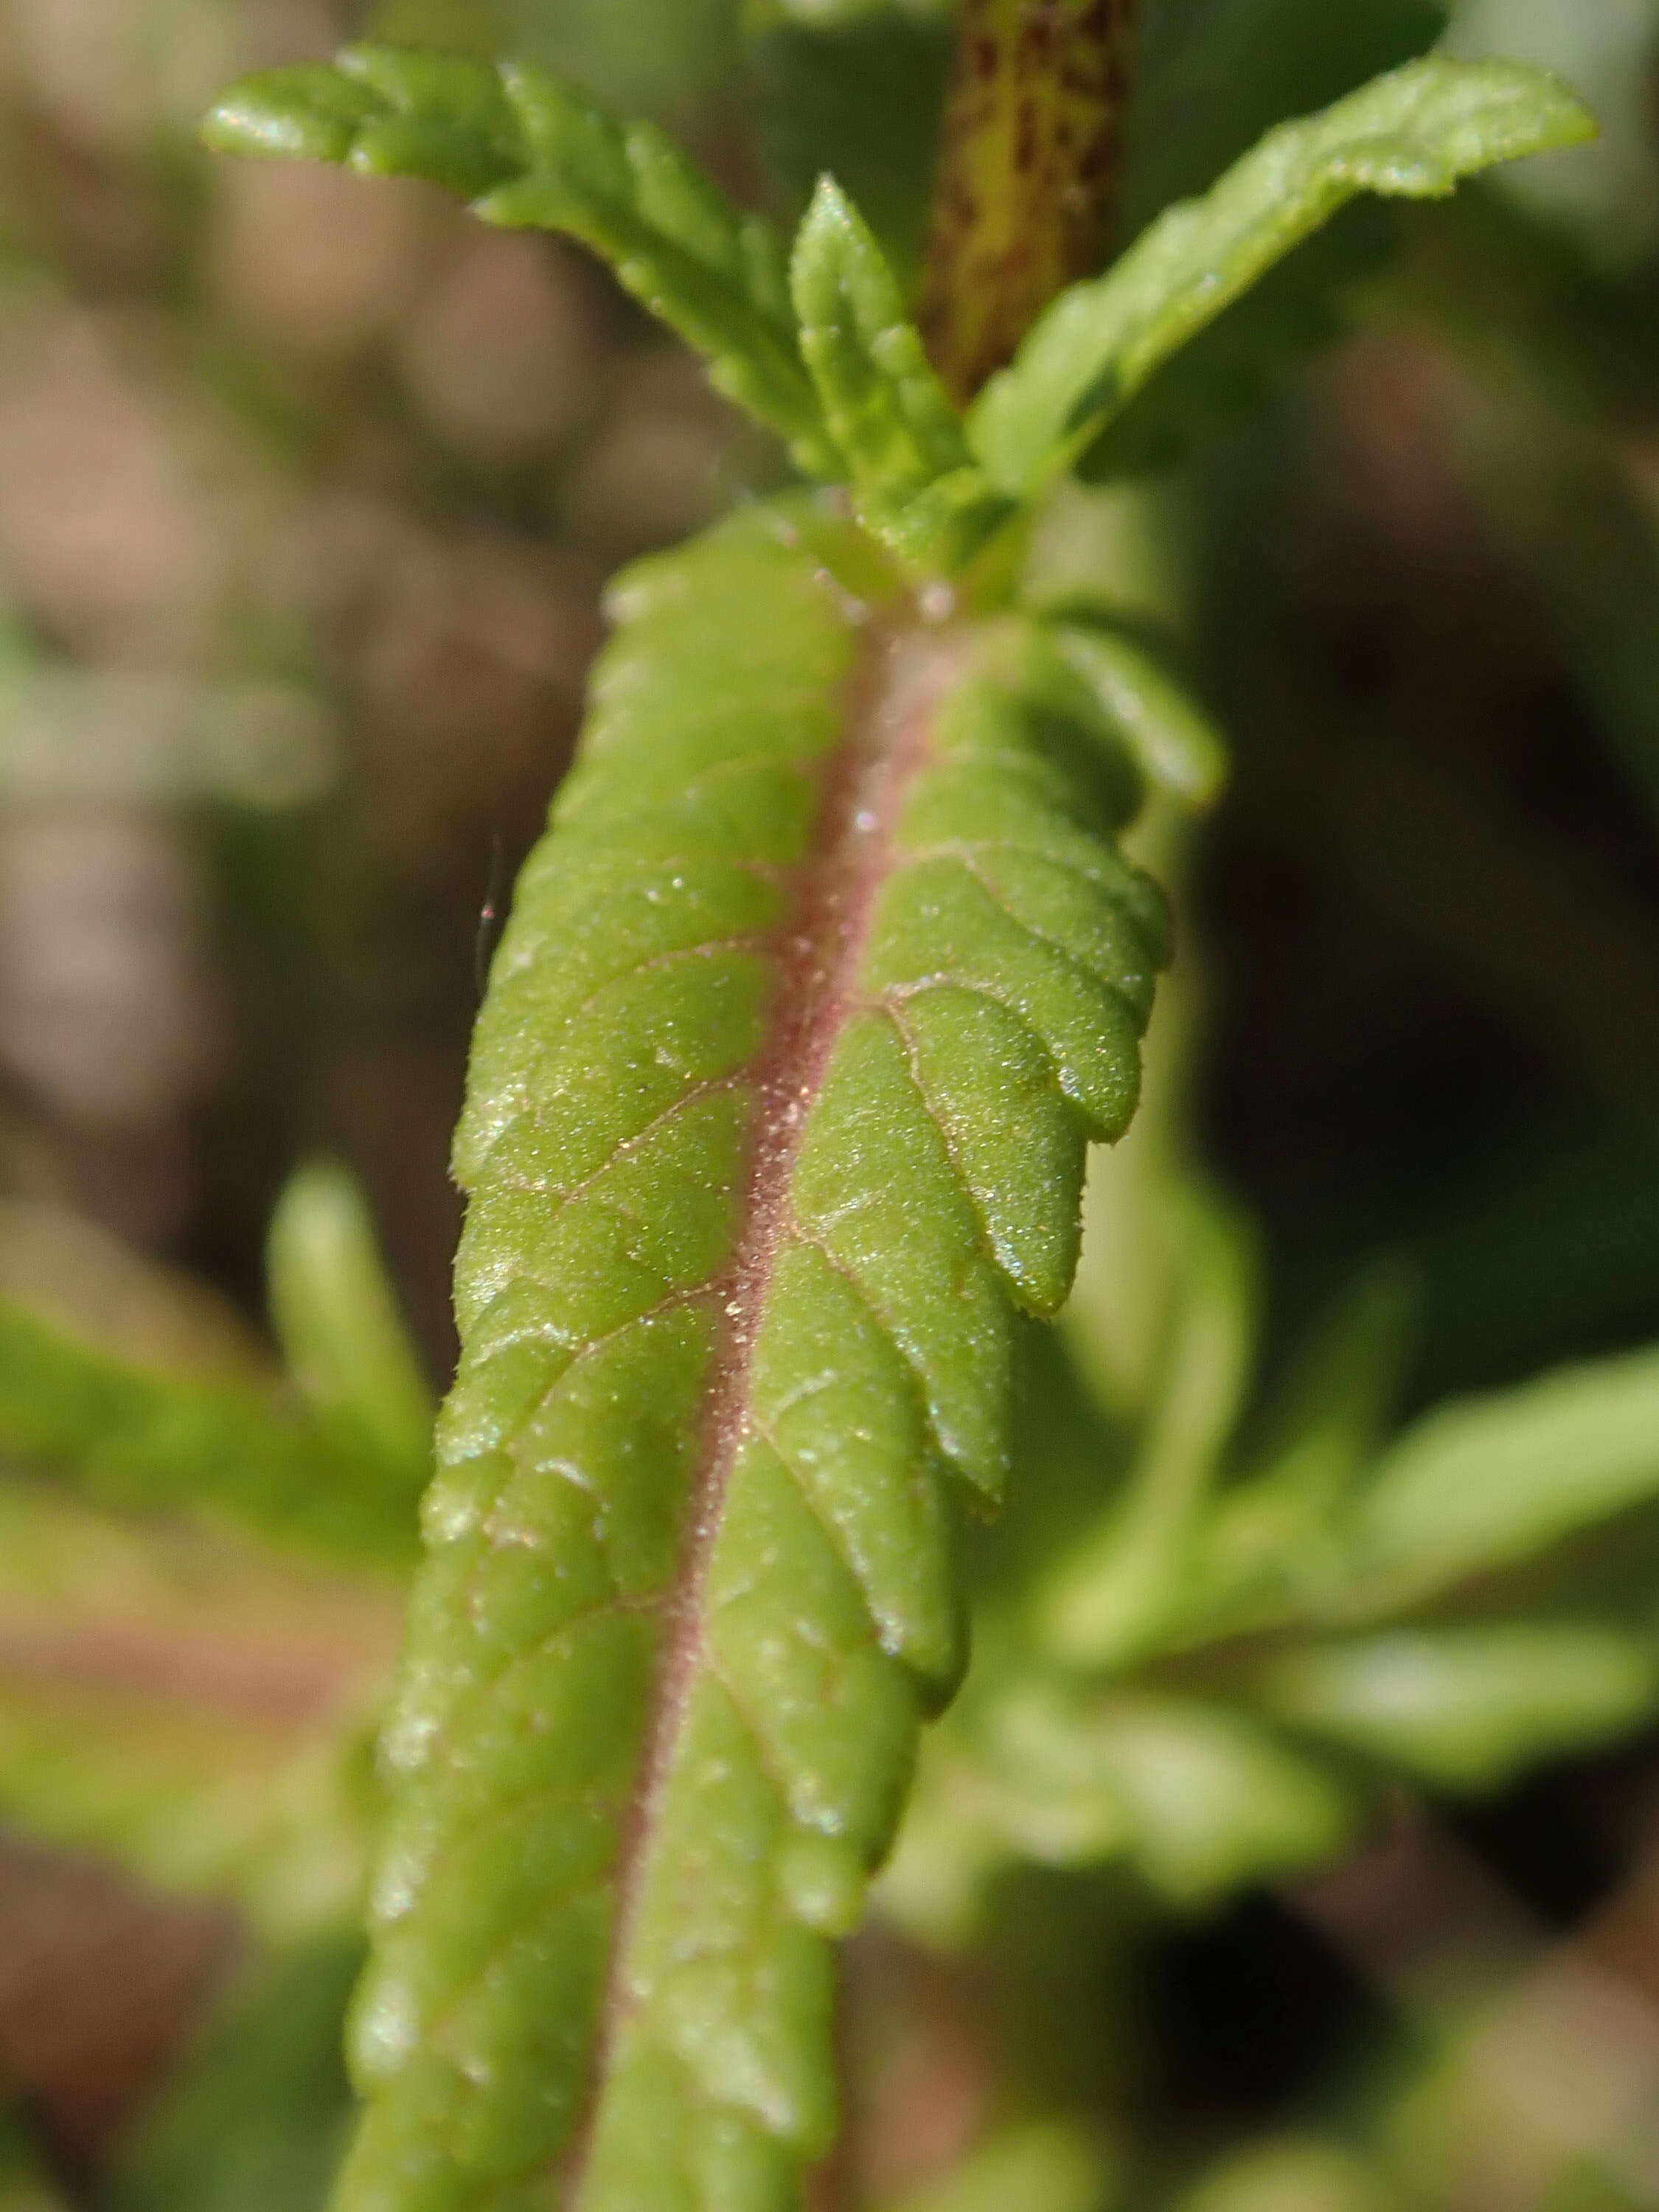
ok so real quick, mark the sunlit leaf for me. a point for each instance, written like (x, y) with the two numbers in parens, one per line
(902, 440)
(528, 151)
(1412, 134)
(740, 1313)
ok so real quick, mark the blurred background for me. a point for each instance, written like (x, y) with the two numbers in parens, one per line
(308, 490)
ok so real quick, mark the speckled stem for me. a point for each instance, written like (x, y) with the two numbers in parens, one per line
(1033, 129)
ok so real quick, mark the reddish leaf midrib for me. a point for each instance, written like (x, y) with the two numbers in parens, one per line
(901, 673)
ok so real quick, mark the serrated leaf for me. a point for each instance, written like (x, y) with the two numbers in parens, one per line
(1467, 1708)
(1413, 134)
(347, 1348)
(903, 441)
(166, 1406)
(187, 1705)
(827, 967)
(1482, 1484)
(529, 152)
(1213, 76)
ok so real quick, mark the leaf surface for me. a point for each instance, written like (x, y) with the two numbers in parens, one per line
(1413, 134)
(826, 973)
(906, 451)
(528, 151)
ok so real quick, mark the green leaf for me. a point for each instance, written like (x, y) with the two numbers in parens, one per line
(1467, 1708)
(901, 440)
(255, 2117)
(1197, 1798)
(1212, 1804)
(337, 1315)
(1200, 1799)
(1413, 134)
(187, 1705)
(1236, 364)
(528, 151)
(826, 970)
(133, 1383)
(1214, 76)
(1493, 1480)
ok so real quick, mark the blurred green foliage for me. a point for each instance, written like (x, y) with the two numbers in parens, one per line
(1401, 506)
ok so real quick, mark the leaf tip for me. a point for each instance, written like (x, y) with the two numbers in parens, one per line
(1559, 116)
(305, 113)
(831, 233)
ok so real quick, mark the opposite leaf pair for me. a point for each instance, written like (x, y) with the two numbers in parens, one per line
(818, 345)
(827, 972)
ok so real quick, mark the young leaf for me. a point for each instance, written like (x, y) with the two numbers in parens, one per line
(827, 968)
(1486, 1483)
(1412, 134)
(1213, 76)
(347, 1349)
(528, 151)
(906, 453)
(1237, 362)
(1467, 1708)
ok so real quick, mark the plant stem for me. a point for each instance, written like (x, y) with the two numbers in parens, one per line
(1032, 131)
